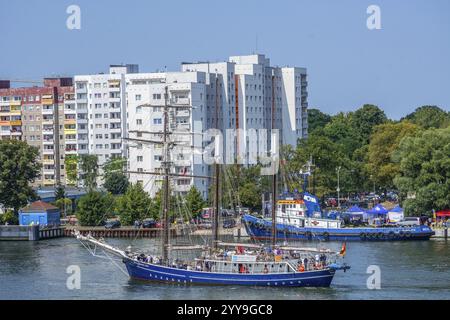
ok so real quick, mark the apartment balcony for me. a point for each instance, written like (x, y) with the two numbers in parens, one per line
(47, 101)
(115, 120)
(47, 122)
(48, 161)
(15, 112)
(182, 113)
(69, 97)
(183, 126)
(47, 111)
(82, 121)
(70, 149)
(71, 112)
(48, 171)
(82, 100)
(48, 151)
(182, 188)
(16, 132)
(15, 103)
(182, 163)
(81, 90)
(16, 122)
(70, 121)
(4, 103)
(70, 131)
(4, 123)
(47, 130)
(180, 101)
(48, 182)
(48, 141)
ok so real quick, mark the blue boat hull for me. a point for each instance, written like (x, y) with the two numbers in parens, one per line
(260, 229)
(151, 272)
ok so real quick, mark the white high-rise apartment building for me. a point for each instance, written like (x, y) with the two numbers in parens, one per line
(243, 93)
(101, 112)
(247, 85)
(187, 97)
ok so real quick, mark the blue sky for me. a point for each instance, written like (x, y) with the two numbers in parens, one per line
(404, 65)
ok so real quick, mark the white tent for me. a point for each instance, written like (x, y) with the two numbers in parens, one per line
(396, 214)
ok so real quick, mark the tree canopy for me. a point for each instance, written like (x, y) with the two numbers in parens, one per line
(94, 208)
(384, 141)
(424, 171)
(430, 117)
(88, 164)
(134, 205)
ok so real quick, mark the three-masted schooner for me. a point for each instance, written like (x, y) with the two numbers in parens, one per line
(225, 263)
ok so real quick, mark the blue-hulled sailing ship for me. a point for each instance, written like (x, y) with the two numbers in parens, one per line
(219, 263)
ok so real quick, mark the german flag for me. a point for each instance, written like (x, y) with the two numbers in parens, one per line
(343, 249)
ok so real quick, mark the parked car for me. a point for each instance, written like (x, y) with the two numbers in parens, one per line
(113, 224)
(409, 221)
(228, 224)
(149, 223)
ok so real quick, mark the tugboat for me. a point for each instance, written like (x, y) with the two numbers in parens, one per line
(299, 217)
(217, 264)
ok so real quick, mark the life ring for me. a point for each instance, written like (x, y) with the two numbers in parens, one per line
(408, 234)
(380, 235)
(391, 235)
(326, 236)
(308, 235)
(401, 234)
(362, 236)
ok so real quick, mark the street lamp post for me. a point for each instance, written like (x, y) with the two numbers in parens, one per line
(338, 188)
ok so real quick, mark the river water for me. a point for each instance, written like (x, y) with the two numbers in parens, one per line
(37, 270)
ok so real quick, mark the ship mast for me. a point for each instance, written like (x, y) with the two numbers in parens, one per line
(166, 164)
(215, 222)
(274, 176)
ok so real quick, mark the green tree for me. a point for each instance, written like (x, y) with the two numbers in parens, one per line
(430, 117)
(134, 205)
(250, 196)
(424, 172)
(317, 119)
(89, 170)
(384, 142)
(71, 163)
(9, 218)
(65, 206)
(116, 183)
(18, 168)
(60, 192)
(194, 202)
(343, 133)
(115, 180)
(94, 208)
(365, 119)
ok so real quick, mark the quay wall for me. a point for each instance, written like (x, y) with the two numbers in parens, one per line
(29, 233)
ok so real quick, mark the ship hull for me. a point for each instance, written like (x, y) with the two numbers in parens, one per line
(260, 229)
(150, 272)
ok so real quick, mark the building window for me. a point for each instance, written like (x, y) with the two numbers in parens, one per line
(157, 121)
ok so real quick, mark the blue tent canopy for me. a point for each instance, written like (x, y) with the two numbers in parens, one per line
(378, 209)
(355, 209)
(396, 209)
